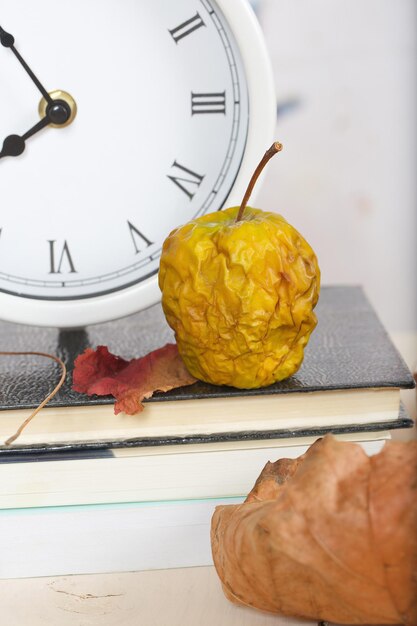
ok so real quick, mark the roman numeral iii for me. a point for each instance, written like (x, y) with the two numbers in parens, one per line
(137, 236)
(64, 257)
(208, 102)
(186, 184)
(187, 27)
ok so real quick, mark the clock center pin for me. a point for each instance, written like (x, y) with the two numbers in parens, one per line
(61, 111)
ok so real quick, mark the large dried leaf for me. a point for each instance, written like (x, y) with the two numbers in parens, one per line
(329, 536)
(99, 372)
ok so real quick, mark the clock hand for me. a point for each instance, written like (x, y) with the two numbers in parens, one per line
(7, 40)
(14, 145)
(58, 112)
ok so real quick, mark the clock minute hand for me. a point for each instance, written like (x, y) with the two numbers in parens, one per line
(14, 145)
(7, 40)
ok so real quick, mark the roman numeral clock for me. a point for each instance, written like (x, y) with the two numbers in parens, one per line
(119, 121)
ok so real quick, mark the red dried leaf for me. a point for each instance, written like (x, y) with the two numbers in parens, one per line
(102, 373)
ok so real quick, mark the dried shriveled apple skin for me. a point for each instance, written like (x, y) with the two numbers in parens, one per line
(329, 536)
(240, 296)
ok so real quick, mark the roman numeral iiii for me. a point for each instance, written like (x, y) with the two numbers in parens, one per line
(186, 28)
(186, 184)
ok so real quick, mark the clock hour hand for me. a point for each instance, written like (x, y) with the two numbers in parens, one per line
(14, 145)
(7, 40)
(57, 113)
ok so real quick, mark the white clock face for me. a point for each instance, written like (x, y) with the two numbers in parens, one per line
(159, 137)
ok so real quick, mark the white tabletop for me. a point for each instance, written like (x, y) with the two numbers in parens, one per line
(181, 597)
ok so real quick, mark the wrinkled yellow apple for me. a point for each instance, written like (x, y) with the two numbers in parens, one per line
(238, 288)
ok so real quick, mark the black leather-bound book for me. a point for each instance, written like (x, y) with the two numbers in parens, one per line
(349, 381)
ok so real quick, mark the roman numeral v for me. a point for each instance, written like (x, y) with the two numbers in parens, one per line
(138, 237)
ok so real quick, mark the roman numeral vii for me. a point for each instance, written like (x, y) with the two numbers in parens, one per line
(187, 181)
(187, 27)
(65, 254)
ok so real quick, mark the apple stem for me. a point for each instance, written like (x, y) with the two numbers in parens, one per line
(276, 147)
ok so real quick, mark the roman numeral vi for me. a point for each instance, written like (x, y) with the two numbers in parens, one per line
(65, 253)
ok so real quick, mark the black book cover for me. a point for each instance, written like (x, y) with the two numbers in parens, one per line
(349, 349)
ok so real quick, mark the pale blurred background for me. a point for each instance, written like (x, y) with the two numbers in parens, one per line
(345, 77)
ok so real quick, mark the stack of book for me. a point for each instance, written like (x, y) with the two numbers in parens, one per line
(83, 490)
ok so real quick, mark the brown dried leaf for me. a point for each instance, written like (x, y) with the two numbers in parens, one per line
(329, 536)
(272, 478)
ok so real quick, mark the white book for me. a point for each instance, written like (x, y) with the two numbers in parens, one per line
(55, 541)
(209, 418)
(130, 536)
(215, 470)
